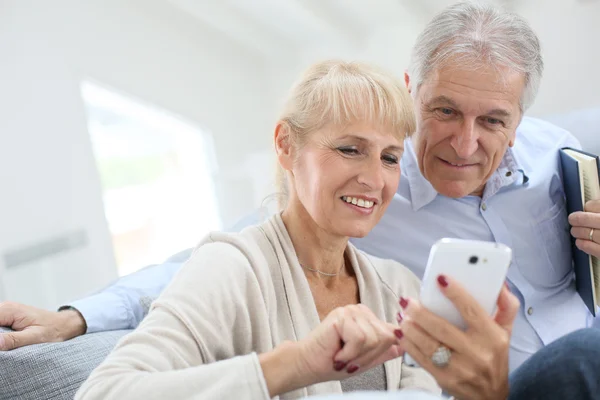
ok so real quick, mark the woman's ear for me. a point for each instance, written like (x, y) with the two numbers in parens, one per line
(283, 145)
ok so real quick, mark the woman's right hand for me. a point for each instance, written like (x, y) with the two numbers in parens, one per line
(478, 366)
(350, 339)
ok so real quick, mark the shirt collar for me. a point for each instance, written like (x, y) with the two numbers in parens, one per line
(423, 193)
(508, 172)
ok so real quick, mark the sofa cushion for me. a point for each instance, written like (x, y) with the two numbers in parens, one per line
(53, 370)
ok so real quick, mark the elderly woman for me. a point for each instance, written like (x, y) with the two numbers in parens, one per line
(290, 308)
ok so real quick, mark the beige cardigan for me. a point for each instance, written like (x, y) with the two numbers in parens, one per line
(240, 295)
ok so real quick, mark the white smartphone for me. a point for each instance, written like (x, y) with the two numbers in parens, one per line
(480, 267)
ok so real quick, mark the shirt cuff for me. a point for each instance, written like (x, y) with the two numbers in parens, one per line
(103, 311)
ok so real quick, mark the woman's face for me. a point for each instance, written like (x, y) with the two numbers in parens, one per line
(345, 178)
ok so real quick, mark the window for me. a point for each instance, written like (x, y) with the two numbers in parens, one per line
(157, 176)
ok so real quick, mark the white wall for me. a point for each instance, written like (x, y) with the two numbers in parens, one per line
(387, 46)
(570, 34)
(569, 96)
(47, 170)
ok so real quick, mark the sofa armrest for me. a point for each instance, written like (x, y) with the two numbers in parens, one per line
(53, 370)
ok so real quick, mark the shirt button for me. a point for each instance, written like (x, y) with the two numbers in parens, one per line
(508, 173)
(530, 310)
(484, 206)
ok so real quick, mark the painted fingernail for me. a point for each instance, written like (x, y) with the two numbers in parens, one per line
(403, 302)
(442, 281)
(398, 333)
(339, 365)
(399, 317)
(352, 369)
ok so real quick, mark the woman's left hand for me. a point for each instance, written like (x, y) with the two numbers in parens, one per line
(478, 366)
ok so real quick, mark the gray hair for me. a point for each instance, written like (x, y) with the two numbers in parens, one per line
(470, 33)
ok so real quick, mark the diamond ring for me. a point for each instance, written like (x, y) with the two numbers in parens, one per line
(441, 357)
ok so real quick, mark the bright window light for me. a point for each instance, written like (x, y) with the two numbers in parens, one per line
(157, 173)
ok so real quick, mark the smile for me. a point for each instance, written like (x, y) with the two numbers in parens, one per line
(368, 204)
(456, 165)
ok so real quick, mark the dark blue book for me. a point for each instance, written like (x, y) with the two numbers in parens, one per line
(582, 183)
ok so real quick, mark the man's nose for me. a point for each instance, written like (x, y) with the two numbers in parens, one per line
(465, 141)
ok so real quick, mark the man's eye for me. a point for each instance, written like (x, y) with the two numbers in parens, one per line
(390, 159)
(446, 111)
(493, 121)
(348, 150)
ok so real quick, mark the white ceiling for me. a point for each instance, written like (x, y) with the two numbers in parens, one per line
(274, 26)
(271, 25)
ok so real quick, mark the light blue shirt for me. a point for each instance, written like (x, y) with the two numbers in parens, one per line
(125, 303)
(523, 206)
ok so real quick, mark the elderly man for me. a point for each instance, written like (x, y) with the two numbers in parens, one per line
(475, 169)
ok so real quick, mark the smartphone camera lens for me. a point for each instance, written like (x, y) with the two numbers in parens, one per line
(473, 260)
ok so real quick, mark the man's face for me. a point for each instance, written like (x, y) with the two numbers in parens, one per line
(466, 119)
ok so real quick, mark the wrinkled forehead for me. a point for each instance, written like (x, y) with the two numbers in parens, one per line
(474, 88)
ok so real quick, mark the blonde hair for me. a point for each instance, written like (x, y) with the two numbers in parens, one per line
(338, 93)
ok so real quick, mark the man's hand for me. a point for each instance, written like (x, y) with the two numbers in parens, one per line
(33, 325)
(586, 228)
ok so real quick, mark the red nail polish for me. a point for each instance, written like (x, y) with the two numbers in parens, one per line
(352, 369)
(398, 333)
(403, 302)
(442, 281)
(399, 317)
(339, 365)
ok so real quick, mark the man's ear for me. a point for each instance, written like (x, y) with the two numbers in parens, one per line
(511, 139)
(407, 81)
(283, 145)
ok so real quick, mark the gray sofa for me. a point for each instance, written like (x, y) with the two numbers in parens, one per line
(53, 370)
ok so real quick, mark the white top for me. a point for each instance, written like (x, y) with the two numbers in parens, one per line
(240, 295)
